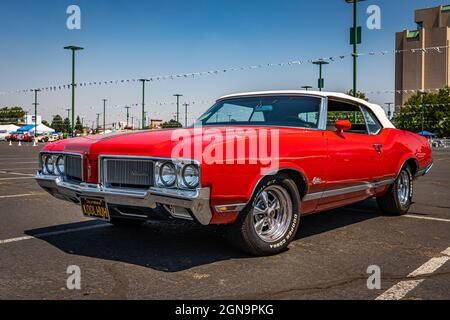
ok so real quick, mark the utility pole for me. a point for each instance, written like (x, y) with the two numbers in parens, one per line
(320, 63)
(178, 106)
(355, 39)
(104, 114)
(143, 101)
(128, 115)
(73, 49)
(186, 105)
(35, 110)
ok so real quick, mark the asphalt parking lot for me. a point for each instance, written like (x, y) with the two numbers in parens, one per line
(41, 236)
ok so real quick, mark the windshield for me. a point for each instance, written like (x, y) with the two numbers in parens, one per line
(302, 112)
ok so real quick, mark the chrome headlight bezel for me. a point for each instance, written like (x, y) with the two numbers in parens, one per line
(180, 167)
(49, 164)
(164, 182)
(194, 169)
(58, 170)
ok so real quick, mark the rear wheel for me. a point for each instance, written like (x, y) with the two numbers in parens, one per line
(398, 199)
(269, 223)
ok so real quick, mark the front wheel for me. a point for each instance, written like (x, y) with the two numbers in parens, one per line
(398, 199)
(269, 223)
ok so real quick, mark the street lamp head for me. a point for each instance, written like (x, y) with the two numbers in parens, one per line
(144, 80)
(177, 95)
(320, 62)
(351, 1)
(73, 48)
(306, 87)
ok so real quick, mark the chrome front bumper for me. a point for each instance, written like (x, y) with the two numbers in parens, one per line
(196, 201)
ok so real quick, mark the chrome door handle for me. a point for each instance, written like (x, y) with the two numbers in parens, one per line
(378, 147)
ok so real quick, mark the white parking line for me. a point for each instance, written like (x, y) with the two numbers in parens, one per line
(426, 218)
(17, 173)
(22, 195)
(4, 179)
(53, 233)
(401, 289)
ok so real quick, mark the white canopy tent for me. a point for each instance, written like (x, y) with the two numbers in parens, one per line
(8, 128)
(42, 128)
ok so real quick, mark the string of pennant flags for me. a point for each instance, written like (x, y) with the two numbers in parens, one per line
(427, 50)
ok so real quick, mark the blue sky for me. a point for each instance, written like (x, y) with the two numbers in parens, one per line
(134, 39)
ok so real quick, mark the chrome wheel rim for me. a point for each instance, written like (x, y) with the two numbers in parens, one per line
(272, 213)
(403, 188)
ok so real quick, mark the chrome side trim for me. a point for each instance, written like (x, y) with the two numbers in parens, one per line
(342, 191)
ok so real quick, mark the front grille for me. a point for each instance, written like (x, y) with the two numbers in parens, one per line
(128, 173)
(74, 168)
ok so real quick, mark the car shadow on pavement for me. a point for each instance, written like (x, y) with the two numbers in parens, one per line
(172, 246)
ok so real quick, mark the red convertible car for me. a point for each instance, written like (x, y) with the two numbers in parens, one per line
(254, 162)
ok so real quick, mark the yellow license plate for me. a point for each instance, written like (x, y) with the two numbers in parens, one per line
(95, 208)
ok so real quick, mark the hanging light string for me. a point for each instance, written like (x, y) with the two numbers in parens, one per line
(428, 50)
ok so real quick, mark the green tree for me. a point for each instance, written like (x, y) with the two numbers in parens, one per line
(426, 111)
(171, 124)
(45, 123)
(66, 125)
(78, 125)
(359, 94)
(11, 115)
(57, 123)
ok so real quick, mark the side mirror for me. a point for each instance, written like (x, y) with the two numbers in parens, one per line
(343, 125)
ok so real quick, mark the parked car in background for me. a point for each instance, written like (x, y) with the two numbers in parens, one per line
(47, 137)
(3, 135)
(332, 150)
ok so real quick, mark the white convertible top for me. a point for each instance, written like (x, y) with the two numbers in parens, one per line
(376, 109)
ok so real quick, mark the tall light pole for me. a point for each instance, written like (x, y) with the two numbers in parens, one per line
(320, 63)
(73, 49)
(104, 114)
(186, 105)
(178, 106)
(355, 39)
(143, 101)
(35, 110)
(128, 114)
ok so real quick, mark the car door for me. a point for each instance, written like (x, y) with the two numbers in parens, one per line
(354, 157)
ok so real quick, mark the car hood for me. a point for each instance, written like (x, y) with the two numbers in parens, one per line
(159, 143)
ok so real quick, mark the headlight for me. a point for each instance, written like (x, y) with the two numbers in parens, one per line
(168, 174)
(49, 164)
(190, 176)
(60, 161)
(43, 161)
